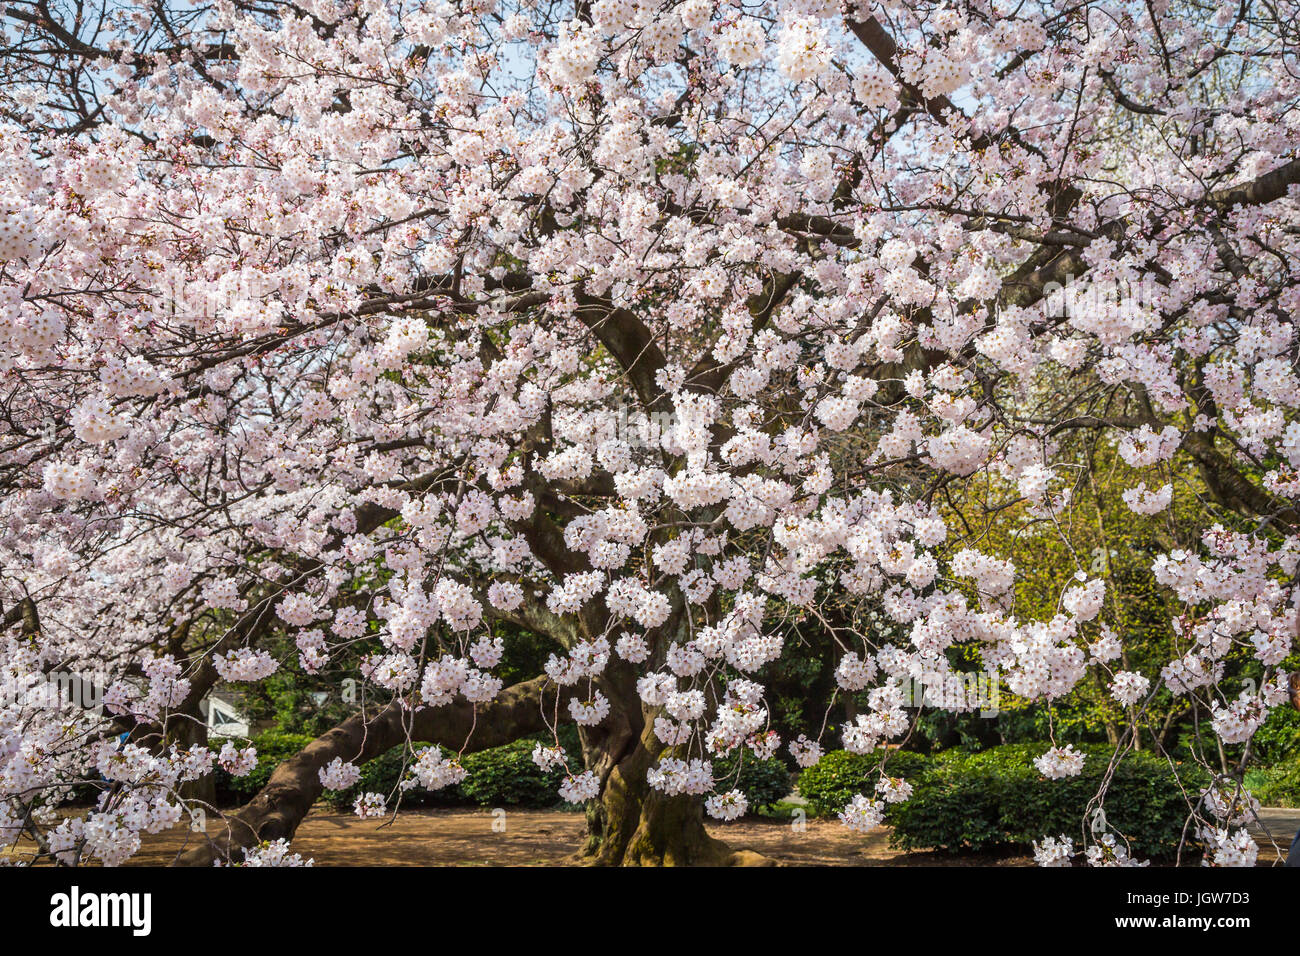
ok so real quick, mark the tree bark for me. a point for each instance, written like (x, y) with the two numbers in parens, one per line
(630, 824)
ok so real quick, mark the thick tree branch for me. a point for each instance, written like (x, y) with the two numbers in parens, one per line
(281, 805)
(1262, 189)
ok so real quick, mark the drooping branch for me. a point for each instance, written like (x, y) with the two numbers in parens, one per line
(882, 46)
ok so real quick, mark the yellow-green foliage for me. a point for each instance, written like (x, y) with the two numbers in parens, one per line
(1099, 535)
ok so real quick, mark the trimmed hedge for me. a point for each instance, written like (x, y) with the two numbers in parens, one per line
(500, 777)
(503, 776)
(997, 798)
(832, 782)
(381, 775)
(507, 777)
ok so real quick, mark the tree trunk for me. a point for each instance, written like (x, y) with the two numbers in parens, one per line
(630, 824)
(193, 732)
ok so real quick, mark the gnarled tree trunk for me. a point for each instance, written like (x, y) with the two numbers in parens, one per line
(630, 824)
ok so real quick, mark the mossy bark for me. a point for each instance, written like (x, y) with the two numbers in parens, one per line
(630, 824)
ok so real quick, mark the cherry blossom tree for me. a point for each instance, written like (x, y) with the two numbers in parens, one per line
(653, 327)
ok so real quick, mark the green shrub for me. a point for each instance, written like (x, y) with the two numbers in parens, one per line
(833, 781)
(1276, 786)
(952, 806)
(507, 777)
(382, 776)
(1278, 738)
(502, 776)
(499, 777)
(997, 798)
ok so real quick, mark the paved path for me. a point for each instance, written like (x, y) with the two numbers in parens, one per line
(1276, 825)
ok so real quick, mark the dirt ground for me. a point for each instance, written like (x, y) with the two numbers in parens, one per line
(477, 837)
(474, 837)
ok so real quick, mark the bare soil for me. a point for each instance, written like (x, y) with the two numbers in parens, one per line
(477, 837)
